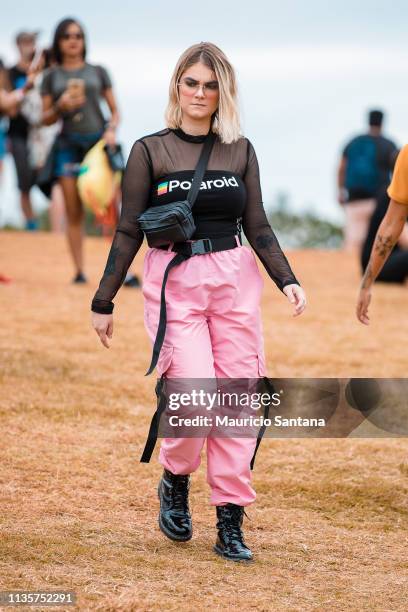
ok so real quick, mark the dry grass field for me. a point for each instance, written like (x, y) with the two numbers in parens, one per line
(329, 529)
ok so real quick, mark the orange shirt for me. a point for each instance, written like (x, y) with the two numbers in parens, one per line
(398, 189)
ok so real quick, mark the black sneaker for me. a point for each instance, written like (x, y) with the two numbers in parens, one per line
(230, 541)
(80, 278)
(174, 515)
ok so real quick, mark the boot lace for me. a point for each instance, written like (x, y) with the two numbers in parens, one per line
(180, 493)
(232, 524)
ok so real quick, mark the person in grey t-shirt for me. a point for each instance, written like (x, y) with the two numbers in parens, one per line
(90, 82)
(72, 91)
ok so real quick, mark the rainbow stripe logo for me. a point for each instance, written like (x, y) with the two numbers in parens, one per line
(162, 188)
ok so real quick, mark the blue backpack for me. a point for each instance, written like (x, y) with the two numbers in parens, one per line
(362, 166)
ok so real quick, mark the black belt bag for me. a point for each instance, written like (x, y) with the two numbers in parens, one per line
(174, 222)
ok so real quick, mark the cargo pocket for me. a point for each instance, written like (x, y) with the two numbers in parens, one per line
(165, 359)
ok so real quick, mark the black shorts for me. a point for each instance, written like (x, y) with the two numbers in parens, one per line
(71, 150)
(25, 173)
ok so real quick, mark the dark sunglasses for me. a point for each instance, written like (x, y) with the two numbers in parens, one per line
(76, 36)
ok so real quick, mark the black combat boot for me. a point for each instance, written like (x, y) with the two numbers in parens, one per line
(230, 541)
(174, 515)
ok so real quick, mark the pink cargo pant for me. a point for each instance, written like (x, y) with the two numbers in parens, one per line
(214, 329)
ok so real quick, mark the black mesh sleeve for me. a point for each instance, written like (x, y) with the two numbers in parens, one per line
(258, 231)
(128, 236)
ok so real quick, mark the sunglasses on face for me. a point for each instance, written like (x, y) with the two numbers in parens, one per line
(74, 36)
(193, 85)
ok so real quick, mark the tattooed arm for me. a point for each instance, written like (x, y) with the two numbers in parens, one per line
(262, 239)
(387, 236)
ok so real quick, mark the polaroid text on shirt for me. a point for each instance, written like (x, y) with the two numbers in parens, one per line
(169, 186)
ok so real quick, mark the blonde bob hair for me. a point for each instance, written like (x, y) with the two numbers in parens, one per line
(225, 121)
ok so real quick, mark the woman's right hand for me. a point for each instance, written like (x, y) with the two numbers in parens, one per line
(103, 325)
(67, 103)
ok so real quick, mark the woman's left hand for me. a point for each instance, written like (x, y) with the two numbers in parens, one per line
(296, 295)
(109, 137)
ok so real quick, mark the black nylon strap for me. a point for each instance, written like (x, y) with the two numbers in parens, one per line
(161, 330)
(261, 432)
(204, 245)
(154, 425)
(200, 168)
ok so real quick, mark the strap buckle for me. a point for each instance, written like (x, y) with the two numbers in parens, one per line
(201, 247)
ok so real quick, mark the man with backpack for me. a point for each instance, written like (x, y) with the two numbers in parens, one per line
(364, 171)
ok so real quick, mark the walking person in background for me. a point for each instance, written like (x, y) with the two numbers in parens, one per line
(393, 227)
(364, 171)
(41, 139)
(3, 119)
(72, 91)
(3, 130)
(18, 125)
(214, 326)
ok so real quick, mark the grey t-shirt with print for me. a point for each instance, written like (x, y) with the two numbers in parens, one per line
(89, 118)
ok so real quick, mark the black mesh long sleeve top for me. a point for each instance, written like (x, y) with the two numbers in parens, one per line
(159, 171)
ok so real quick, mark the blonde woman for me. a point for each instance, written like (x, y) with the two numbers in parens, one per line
(214, 327)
